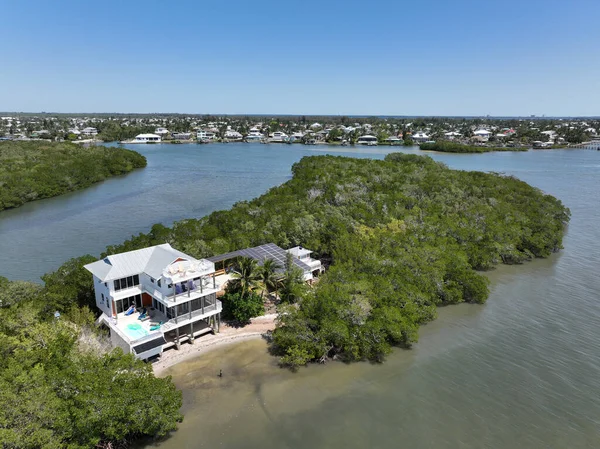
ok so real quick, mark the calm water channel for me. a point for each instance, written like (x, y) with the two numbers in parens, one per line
(180, 181)
(522, 371)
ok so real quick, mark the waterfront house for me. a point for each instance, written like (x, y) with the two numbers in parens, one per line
(146, 138)
(451, 135)
(155, 298)
(278, 136)
(161, 131)
(483, 135)
(255, 135)
(367, 139)
(233, 135)
(204, 136)
(297, 136)
(89, 131)
(420, 137)
(181, 136)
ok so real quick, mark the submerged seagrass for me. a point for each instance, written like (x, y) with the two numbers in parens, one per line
(32, 170)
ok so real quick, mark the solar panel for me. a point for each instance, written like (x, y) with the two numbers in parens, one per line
(260, 253)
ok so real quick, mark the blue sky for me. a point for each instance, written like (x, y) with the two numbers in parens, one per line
(421, 57)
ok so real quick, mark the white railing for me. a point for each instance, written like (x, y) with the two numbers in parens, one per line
(198, 314)
(198, 292)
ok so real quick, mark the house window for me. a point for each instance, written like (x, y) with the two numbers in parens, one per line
(152, 280)
(159, 284)
(102, 295)
(128, 282)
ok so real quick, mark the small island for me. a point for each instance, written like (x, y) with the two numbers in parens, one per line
(398, 237)
(446, 146)
(32, 170)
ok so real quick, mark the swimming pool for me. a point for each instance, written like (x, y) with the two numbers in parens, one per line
(135, 331)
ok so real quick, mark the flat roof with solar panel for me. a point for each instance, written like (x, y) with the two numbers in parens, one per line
(263, 252)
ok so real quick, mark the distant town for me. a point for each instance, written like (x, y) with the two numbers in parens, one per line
(337, 130)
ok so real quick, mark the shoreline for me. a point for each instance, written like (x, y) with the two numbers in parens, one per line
(228, 335)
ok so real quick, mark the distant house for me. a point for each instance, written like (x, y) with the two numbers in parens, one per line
(233, 135)
(205, 135)
(367, 139)
(161, 131)
(181, 136)
(89, 131)
(255, 135)
(420, 137)
(316, 125)
(482, 134)
(451, 135)
(147, 138)
(278, 136)
(296, 136)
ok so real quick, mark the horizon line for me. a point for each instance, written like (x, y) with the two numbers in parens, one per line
(200, 114)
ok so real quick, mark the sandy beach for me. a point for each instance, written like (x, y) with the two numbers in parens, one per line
(228, 335)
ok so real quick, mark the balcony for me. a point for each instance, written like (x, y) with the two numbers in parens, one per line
(201, 288)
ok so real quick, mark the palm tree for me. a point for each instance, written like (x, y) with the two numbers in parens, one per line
(269, 275)
(246, 276)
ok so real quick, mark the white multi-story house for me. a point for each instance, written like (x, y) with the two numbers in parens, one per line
(278, 136)
(303, 255)
(89, 131)
(420, 137)
(203, 135)
(254, 134)
(155, 298)
(233, 135)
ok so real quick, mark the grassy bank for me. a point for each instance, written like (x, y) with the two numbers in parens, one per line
(453, 147)
(35, 169)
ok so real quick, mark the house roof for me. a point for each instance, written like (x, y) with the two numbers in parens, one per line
(147, 135)
(260, 253)
(152, 261)
(299, 251)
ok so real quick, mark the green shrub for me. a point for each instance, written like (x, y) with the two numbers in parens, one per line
(242, 309)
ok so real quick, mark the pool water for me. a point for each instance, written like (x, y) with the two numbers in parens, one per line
(135, 331)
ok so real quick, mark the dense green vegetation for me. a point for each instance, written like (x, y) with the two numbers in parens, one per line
(454, 147)
(404, 235)
(61, 386)
(31, 170)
